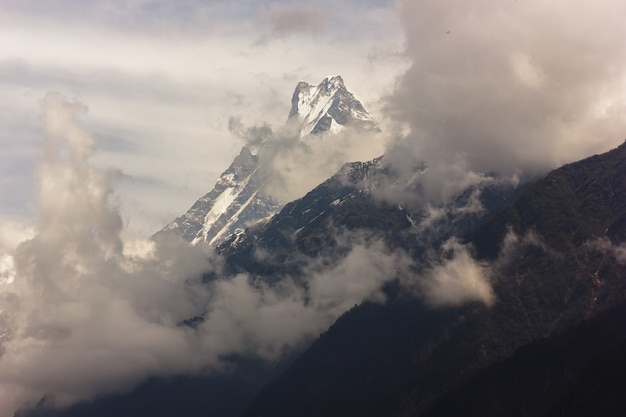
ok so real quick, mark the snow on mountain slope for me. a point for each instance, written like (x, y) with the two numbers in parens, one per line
(237, 200)
(328, 107)
(232, 204)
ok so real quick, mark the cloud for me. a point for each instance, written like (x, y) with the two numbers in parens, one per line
(252, 137)
(512, 88)
(249, 316)
(296, 167)
(605, 245)
(286, 20)
(86, 314)
(293, 166)
(512, 243)
(456, 279)
(12, 233)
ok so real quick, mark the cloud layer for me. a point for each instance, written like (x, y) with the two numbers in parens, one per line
(508, 87)
(85, 314)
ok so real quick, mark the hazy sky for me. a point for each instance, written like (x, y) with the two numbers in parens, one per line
(160, 80)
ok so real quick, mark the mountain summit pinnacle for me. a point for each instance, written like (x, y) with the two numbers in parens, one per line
(327, 107)
(237, 199)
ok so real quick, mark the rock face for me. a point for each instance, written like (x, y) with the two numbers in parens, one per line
(312, 226)
(237, 200)
(328, 107)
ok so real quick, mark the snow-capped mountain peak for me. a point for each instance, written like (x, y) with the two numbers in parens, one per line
(238, 200)
(327, 107)
(234, 201)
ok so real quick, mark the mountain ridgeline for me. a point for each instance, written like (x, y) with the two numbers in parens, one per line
(561, 292)
(328, 107)
(551, 342)
(238, 199)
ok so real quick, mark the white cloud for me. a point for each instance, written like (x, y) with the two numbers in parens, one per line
(456, 279)
(293, 166)
(604, 245)
(12, 233)
(513, 88)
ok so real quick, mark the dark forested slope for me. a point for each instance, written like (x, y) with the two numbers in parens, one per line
(556, 262)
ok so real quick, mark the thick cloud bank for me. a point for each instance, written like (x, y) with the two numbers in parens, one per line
(513, 87)
(83, 314)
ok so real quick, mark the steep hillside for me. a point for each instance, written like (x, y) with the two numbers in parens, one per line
(311, 230)
(238, 199)
(577, 372)
(555, 260)
(561, 263)
(346, 204)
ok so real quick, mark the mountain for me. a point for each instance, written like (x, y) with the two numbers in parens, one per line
(238, 199)
(575, 372)
(554, 249)
(328, 107)
(556, 258)
(304, 232)
(312, 226)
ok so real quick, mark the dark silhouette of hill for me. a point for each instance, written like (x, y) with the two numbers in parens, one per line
(577, 372)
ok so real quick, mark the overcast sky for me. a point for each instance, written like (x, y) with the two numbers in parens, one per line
(160, 80)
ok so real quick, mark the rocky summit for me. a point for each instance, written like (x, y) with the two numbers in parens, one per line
(237, 200)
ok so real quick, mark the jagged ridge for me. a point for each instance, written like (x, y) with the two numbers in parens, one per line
(237, 200)
(328, 107)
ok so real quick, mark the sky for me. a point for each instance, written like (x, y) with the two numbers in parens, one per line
(160, 81)
(114, 119)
